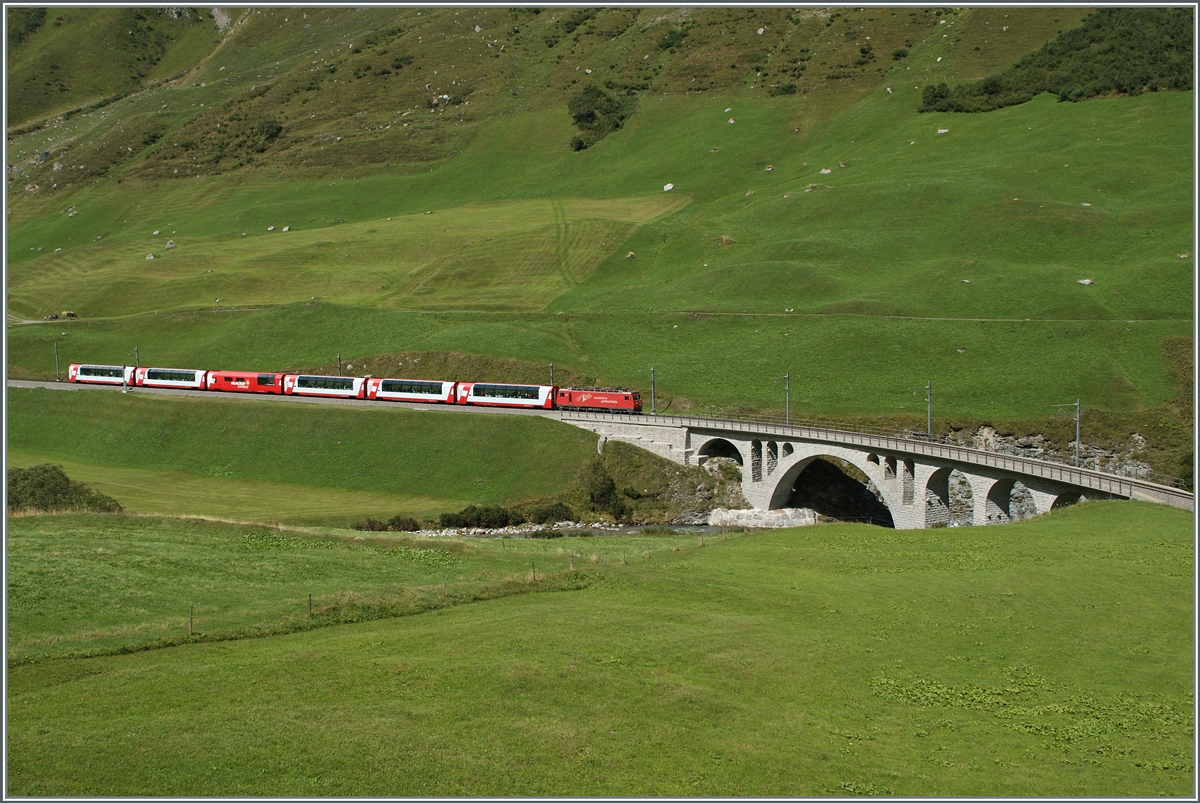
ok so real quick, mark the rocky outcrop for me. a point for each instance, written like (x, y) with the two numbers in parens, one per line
(764, 519)
(1122, 461)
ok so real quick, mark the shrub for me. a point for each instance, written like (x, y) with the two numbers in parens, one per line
(900, 53)
(371, 525)
(783, 89)
(597, 114)
(672, 38)
(269, 127)
(1114, 51)
(549, 514)
(490, 516)
(601, 490)
(46, 487)
(403, 524)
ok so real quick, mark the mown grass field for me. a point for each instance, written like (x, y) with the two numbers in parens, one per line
(1051, 657)
(272, 461)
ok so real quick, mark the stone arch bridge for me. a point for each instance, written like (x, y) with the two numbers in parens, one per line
(911, 475)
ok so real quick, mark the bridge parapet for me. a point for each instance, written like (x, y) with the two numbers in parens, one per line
(902, 469)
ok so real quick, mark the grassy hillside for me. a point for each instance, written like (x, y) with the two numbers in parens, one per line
(277, 462)
(1055, 660)
(918, 255)
(67, 58)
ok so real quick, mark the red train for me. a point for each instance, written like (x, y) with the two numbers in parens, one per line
(492, 394)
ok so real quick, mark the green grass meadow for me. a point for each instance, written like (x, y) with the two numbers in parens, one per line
(732, 231)
(279, 462)
(924, 244)
(1051, 657)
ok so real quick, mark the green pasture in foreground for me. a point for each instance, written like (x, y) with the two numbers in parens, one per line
(280, 461)
(840, 364)
(1052, 657)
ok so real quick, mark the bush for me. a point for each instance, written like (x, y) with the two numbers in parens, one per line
(403, 524)
(597, 114)
(269, 127)
(46, 487)
(601, 490)
(782, 89)
(490, 516)
(900, 53)
(549, 514)
(371, 525)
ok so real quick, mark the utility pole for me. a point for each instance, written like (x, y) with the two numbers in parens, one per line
(137, 358)
(653, 408)
(551, 373)
(339, 363)
(929, 409)
(57, 375)
(787, 396)
(124, 385)
(1076, 406)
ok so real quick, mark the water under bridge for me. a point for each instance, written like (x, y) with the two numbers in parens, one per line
(911, 475)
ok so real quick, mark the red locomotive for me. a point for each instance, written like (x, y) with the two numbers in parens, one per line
(628, 401)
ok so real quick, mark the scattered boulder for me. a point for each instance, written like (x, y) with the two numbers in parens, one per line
(825, 171)
(170, 243)
(668, 187)
(149, 256)
(1085, 281)
(630, 255)
(943, 130)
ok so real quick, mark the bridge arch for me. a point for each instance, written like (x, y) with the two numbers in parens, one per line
(784, 482)
(721, 447)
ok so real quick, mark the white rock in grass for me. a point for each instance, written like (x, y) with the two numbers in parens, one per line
(825, 171)
(943, 130)
(732, 120)
(668, 187)
(270, 228)
(149, 256)
(1085, 281)
(285, 228)
(156, 232)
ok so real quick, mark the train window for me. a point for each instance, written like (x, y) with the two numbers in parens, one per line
(168, 375)
(408, 386)
(266, 380)
(325, 382)
(99, 370)
(506, 391)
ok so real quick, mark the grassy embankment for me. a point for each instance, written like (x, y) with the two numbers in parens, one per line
(278, 462)
(840, 659)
